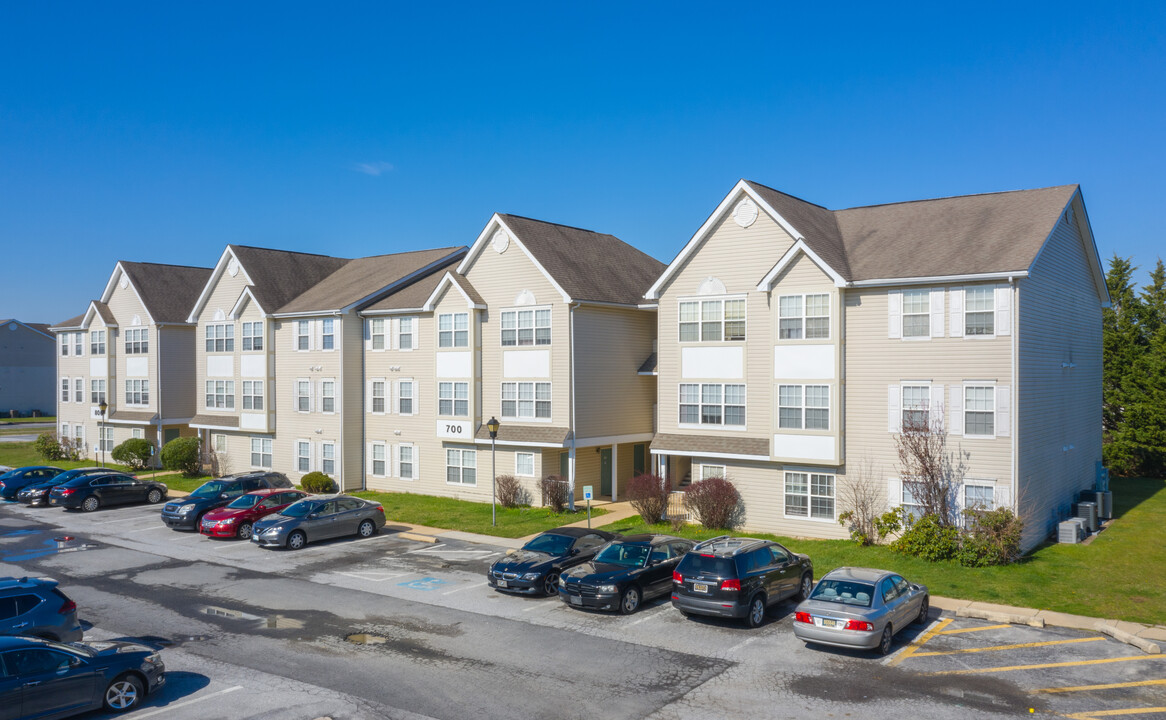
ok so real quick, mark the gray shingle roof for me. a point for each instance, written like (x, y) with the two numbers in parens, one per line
(815, 222)
(168, 291)
(526, 433)
(706, 444)
(72, 322)
(587, 265)
(105, 313)
(280, 276)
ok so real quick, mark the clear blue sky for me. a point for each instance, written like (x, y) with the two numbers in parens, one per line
(162, 131)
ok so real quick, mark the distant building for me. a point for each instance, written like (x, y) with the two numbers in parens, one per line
(27, 368)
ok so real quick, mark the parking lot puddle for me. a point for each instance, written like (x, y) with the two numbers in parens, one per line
(283, 622)
(366, 639)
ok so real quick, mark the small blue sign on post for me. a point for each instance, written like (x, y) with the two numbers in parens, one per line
(587, 496)
(586, 492)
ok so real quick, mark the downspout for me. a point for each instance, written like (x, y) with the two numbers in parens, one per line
(158, 372)
(574, 452)
(363, 413)
(339, 390)
(1015, 385)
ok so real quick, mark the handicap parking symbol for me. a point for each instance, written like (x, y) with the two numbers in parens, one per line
(428, 583)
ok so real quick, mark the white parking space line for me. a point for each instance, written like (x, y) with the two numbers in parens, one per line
(156, 527)
(742, 644)
(539, 605)
(131, 518)
(373, 576)
(175, 706)
(468, 587)
(645, 618)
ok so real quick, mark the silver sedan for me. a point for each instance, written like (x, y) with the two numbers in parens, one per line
(860, 608)
(319, 517)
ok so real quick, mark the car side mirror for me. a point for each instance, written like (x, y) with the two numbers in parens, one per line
(313, 516)
(575, 551)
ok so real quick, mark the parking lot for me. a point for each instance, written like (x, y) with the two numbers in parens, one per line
(262, 633)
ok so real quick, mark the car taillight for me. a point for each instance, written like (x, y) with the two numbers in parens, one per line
(803, 617)
(858, 625)
(381, 508)
(677, 577)
(66, 491)
(731, 584)
(68, 607)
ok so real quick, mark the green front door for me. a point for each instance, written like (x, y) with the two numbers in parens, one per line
(605, 472)
(564, 467)
(169, 434)
(639, 459)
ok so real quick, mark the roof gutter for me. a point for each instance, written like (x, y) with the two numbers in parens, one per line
(974, 277)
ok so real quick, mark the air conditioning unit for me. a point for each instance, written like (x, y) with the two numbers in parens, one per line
(1104, 502)
(1069, 531)
(1087, 511)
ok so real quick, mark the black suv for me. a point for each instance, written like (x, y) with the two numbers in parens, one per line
(186, 513)
(739, 578)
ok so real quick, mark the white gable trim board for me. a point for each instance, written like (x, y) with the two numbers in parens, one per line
(484, 238)
(800, 246)
(220, 267)
(447, 281)
(118, 270)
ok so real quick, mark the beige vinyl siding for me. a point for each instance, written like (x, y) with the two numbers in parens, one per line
(349, 396)
(124, 305)
(223, 296)
(613, 398)
(314, 426)
(762, 488)
(71, 412)
(178, 394)
(1060, 322)
(452, 302)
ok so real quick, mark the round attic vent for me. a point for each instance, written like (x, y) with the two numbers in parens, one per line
(137, 320)
(11, 326)
(125, 282)
(233, 267)
(745, 213)
(500, 241)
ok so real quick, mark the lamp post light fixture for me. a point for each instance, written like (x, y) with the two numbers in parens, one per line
(492, 425)
(102, 406)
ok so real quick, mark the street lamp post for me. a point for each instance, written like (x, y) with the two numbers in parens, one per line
(492, 425)
(102, 406)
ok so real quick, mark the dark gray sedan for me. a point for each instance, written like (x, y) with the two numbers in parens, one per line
(860, 608)
(318, 518)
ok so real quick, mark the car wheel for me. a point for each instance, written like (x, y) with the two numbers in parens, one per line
(367, 529)
(296, 540)
(123, 694)
(244, 531)
(154, 496)
(924, 608)
(551, 584)
(756, 611)
(885, 640)
(629, 602)
(90, 504)
(806, 587)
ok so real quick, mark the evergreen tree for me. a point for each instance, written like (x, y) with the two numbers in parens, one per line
(1120, 341)
(1154, 302)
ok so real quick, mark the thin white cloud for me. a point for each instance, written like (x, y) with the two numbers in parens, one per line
(376, 169)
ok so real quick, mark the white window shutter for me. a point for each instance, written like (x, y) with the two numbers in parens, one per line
(894, 314)
(311, 396)
(894, 414)
(894, 493)
(937, 312)
(416, 325)
(1002, 496)
(1003, 310)
(957, 312)
(955, 423)
(935, 406)
(1003, 411)
(393, 458)
(367, 334)
(416, 462)
(368, 396)
(368, 469)
(416, 398)
(395, 331)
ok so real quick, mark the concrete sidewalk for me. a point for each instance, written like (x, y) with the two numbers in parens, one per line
(615, 512)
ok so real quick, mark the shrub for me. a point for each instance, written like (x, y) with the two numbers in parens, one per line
(555, 492)
(992, 538)
(182, 453)
(890, 522)
(929, 539)
(510, 492)
(317, 483)
(715, 502)
(71, 449)
(648, 494)
(47, 447)
(135, 452)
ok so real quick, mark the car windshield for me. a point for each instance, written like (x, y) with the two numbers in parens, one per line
(550, 543)
(245, 501)
(208, 489)
(625, 554)
(299, 509)
(707, 565)
(845, 592)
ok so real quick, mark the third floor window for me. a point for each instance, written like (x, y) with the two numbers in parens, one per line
(526, 327)
(137, 341)
(712, 320)
(453, 330)
(252, 336)
(220, 337)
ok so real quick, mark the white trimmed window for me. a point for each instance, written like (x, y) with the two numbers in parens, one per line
(376, 333)
(105, 438)
(220, 337)
(526, 400)
(252, 336)
(980, 410)
(405, 333)
(378, 396)
(328, 396)
(137, 392)
(712, 404)
(804, 407)
(453, 399)
(712, 471)
(524, 464)
(64, 344)
(65, 430)
(712, 320)
(916, 406)
(220, 394)
(453, 330)
(379, 463)
(303, 456)
(328, 458)
(97, 391)
(97, 342)
(980, 310)
(65, 389)
(219, 442)
(79, 435)
(804, 317)
(261, 452)
(252, 394)
(911, 504)
(79, 390)
(526, 327)
(137, 433)
(406, 462)
(303, 395)
(303, 335)
(405, 397)
(979, 496)
(137, 341)
(809, 495)
(461, 467)
(916, 313)
(78, 344)
(328, 334)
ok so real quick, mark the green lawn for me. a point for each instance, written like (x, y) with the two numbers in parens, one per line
(19, 454)
(17, 421)
(471, 517)
(1121, 574)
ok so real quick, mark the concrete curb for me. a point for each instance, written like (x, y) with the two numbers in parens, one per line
(1146, 646)
(418, 538)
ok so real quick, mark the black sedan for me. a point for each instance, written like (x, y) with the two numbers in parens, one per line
(536, 567)
(624, 573)
(92, 491)
(45, 679)
(14, 481)
(38, 493)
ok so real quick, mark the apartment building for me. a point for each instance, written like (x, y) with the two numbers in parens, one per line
(133, 349)
(279, 371)
(538, 326)
(794, 341)
(28, 367)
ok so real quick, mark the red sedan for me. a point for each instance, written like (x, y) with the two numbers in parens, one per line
(235, 520)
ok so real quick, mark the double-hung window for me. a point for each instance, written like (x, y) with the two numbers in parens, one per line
(78, 344)
(137, 392)
(328, 334)
(97, 342)
(97, 391)
(912, 503)
(303, 456)
(524, 464)
(328, 396)
(137, 341)
(979, 497)
(105, 438)
(712, 471)
(220, 394)
(712, 320)
(64, 390)
(405, 462)
(64, 344)
(916, 407)
(261, 452)
(328, 458)
(980, 310)
(303, 396)
(220, 337)
(252, 394)
(461, 466)
(453, 330)
(303, 335)
(379, 465)
(378, 396)
(526, 400)
(712, 404)
(804, 407)
(526, 327)
(252, 336)
(405, 397)
(376, 333)
(809, 495)
(405, 334)
(803, 317)
(453, 399)
(980, 410)
(79, 390)
(916, 313)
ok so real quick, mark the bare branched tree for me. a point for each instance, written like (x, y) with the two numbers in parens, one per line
(862, 500)
(933, 470)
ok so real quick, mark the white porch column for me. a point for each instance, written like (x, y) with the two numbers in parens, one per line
(614, 472)
(571, 475)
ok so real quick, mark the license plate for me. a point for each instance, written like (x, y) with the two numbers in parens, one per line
(700, 587)
(827, 622)
(254, 537)
(53, 501)
(503, 583)
(574, 600)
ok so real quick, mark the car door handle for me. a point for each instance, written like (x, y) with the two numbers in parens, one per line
(34, 683)
(23, 624)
